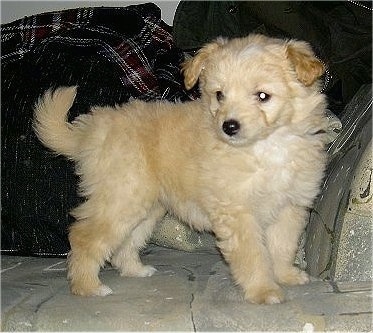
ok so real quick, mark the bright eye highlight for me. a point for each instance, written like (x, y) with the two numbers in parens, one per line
(263, 97)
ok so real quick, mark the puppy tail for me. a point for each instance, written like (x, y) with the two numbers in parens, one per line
(50, 121)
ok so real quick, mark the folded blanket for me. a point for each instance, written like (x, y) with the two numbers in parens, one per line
(112, 54)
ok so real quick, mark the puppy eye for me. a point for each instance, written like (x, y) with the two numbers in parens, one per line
(219, 95)
(262, 96)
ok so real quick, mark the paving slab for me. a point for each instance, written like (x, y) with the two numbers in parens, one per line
(189, 292)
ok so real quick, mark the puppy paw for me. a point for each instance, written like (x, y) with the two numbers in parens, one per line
(147, 270)
(265, 295)
(103, 291)
(293, 276)
(100, 290)
(139, 271)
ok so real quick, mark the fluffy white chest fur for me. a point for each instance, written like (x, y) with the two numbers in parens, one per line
(286, 165)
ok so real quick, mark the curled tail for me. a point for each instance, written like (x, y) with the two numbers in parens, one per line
(50, 120)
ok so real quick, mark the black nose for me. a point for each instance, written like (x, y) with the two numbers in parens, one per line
(231, 127)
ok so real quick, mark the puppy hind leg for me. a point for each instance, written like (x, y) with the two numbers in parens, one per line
(91, 243)
(126, 258)
(99, 231)
(241, 243)
(282, 240)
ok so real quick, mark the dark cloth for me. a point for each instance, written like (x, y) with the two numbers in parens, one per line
(112, 55)
(339, 31)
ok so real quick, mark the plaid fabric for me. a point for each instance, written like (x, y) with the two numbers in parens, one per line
(132, 38)
(112, 55)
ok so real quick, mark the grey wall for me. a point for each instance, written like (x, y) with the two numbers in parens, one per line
(13, 10)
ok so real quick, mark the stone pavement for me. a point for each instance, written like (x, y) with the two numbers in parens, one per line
(189, 292)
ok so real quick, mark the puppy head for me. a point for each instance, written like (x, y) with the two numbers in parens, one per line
(254, 85)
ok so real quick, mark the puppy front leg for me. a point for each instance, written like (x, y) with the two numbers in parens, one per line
(282, 239)
(241, 242)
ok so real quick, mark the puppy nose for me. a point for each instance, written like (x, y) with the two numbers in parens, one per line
(231, 127)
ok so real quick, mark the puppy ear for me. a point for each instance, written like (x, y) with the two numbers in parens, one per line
(193, 67)
(307, 66)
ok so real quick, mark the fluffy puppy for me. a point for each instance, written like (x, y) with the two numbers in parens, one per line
(245, 162)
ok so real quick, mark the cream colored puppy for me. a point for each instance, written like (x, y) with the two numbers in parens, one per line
(245, 161)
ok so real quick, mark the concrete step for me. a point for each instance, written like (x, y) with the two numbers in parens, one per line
(189, 292)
